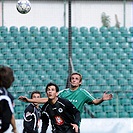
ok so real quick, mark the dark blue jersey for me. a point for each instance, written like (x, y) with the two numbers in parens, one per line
(31, 118)
(61, 114)
(6, 109)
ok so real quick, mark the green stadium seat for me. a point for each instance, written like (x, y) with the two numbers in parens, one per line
(23, 29)
(22, 45)
(43, 29)
(125, 101)
(113, 29)
(98, 50)
(19, 56)
(90, 39)
(120, 39)
(104, 45)
(106, 34)
(63, 29)
(27, 82)
(29, 39)
(9, 39)
(37, 82)
(60, 39)
(13, 29)
(33, 45)
(110, 39)
(103, 29)
(5, 34)
(108, 108)
(131, 114)
(11, 61)
(3, 45)
(131, 29)
(114, 45)
(83, 29)
(29, 56)
(107, 50)
(96, 108)
(123, 115)
(122, 82)
(3, 28)
(12, 45)
(123, 29)
(129, 108)
(100, 39)
(53, 29)
(33, 29)
(25, 34)
(101, 115)
(111, 115)
(1, 40)
(19, 109)
(116, 34)
(26, 51)
(19, 39)
(22, 62)
(93, 29)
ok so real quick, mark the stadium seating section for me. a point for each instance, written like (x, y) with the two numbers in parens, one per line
(102, 55)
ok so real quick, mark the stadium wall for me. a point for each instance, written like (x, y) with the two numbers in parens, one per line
(84, 13)
(112, 125)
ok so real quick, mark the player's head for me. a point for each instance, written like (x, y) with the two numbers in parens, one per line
(35, 94)
(52, 91)
(52, 84)
(76, 79)
(6, 76)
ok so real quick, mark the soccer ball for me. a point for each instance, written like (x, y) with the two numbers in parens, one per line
(23, 6)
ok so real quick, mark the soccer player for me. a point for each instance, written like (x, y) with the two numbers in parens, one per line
(6, 100)
(32, 115)
(64, 116)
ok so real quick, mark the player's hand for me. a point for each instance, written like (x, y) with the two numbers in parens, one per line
(23, 98)
(75, 127)
(14, 130)
(107, 96)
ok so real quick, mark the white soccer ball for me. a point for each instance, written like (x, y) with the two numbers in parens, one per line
(23, 6)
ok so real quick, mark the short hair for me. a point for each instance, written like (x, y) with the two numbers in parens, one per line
(6, 76)
(35, 92)
(52, 84)
(76, 73)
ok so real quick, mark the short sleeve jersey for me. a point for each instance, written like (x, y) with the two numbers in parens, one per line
(78, 97)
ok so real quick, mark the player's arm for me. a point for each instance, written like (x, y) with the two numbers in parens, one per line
(104, 98)
(37, 100)
(73, 110)
(13, 123)
(45, 120)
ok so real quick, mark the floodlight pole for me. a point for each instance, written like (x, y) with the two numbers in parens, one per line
(69, 44)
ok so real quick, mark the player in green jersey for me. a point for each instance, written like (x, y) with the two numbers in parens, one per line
(75, 94)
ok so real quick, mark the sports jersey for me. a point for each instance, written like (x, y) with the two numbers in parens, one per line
(77, 97)
(61, 114)
(6, 109)
(31, 116)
